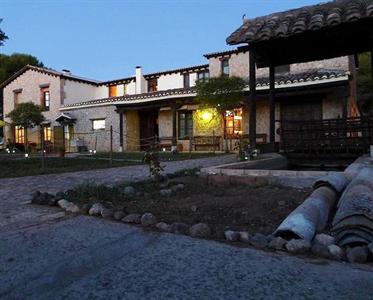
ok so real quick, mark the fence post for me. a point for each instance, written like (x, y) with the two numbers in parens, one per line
(111, 145)
(42, 149)
(213, 141)
(190, 147)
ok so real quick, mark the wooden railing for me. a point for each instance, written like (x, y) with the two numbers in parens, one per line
(331, 136)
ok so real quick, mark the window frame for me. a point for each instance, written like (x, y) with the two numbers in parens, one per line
(19, 134)
(95, 120)
(113, 91)
(47, 133)
(186, 80)
(188, 128)
(16, 96)
(222, 66)
(205, 75)
(152, 85)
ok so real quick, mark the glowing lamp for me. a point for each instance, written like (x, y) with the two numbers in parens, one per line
(26, 155)
(206, 116)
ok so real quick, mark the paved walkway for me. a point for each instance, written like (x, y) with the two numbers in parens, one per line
(15, 210)
(91, 258)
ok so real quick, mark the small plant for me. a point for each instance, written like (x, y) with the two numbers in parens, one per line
(243, 150)
(151, 158)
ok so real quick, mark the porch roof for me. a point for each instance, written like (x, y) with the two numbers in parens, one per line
(288, 80)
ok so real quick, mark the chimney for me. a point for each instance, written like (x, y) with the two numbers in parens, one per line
(66, 72)
(140, 81)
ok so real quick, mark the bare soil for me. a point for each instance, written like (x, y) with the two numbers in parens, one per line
(254, 209)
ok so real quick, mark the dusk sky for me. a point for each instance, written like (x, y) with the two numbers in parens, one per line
(106, 39)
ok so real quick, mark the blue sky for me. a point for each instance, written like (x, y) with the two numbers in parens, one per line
(106, 39)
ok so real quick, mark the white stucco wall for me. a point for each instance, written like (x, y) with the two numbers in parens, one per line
(76, 92)
(170, 81)
(131, 88)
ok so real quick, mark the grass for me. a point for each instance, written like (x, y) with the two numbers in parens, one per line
(163, 156)
(32, 166)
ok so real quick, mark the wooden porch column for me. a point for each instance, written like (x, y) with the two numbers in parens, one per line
(252, 102)
(344, 95)
(174, 138)
(120, 112)
(272, 104)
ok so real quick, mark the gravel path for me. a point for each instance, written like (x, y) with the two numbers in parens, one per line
(15, 210)
(90, 258)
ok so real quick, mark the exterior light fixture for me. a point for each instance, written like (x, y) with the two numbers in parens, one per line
(94, 151)
(90, 151)
(164, 149)
(206, 115)
(14, 151)
(26, 155)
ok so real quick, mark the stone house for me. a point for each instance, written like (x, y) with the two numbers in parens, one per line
(145, 107)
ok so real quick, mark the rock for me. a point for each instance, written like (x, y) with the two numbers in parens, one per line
(118, 215)
(165, 192)
(180, 228)
(132, 218)
(324, 239)
(59, 196)
(162, 226)
(336, 252)
(96, 209)
(259, 240)
(320, 250)
(52, 202)
(231, 235)
(357, 254)
(244, 236)
(35, 197)
(298, 246)
(85, 208)
(177, 187)
(129, 191)
(277, 243)
(148, 219)
(73, 208)
(63, 203)
(41, 198)
(107, 213)
(200, 230)
(139, 194)
(193, 208)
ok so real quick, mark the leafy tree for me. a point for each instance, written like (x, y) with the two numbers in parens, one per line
(26, 115)
(3, 36)
(222, 93)
(365, 83)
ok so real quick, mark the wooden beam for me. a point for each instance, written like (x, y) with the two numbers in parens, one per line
(174, 138)
(121, 129)
(272, 104)
(252, 102)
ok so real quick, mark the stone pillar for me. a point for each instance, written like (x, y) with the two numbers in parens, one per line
(174, 137)
(120, 130)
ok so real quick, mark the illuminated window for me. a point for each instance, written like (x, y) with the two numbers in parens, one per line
(47, 133)
(185, 128)
(19, 134)
(98, 124)
(225, 67)
(112, 91)
(152, 85)
(233, 121)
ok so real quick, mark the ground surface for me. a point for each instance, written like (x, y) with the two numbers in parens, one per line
(20, 166)
(256, 209)
(90, 258)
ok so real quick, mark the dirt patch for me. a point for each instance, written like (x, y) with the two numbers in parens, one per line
(255, 209)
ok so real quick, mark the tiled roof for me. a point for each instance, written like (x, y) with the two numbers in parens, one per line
(127, 99)
(222, 53)
(49, 72)
(311, 75)
(284, 80)
(296, 21)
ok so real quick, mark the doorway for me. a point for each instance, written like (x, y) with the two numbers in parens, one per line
(148, 128)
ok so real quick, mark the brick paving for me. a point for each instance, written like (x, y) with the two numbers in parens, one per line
(16, 212)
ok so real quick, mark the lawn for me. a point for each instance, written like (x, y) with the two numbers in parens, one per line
(17, 167)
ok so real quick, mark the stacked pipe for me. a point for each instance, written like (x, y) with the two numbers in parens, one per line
(312, 215)
(353, 221)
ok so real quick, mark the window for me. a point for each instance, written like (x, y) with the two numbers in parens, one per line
(186, 80)
(45, 100)
(112, 91)
(225, 67)
(203, 75)
(185, 128)
(47, 133)
(17, 97)
(98, 124)
(152, 85)
(19, 135)
(233, 121)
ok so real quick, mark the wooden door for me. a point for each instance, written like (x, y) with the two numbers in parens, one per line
(58, 138)
(148, 128)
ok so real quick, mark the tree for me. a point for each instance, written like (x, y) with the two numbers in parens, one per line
(3, 36)
(365, 83)
(26, 115)
(222, 93)
(9, 64)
